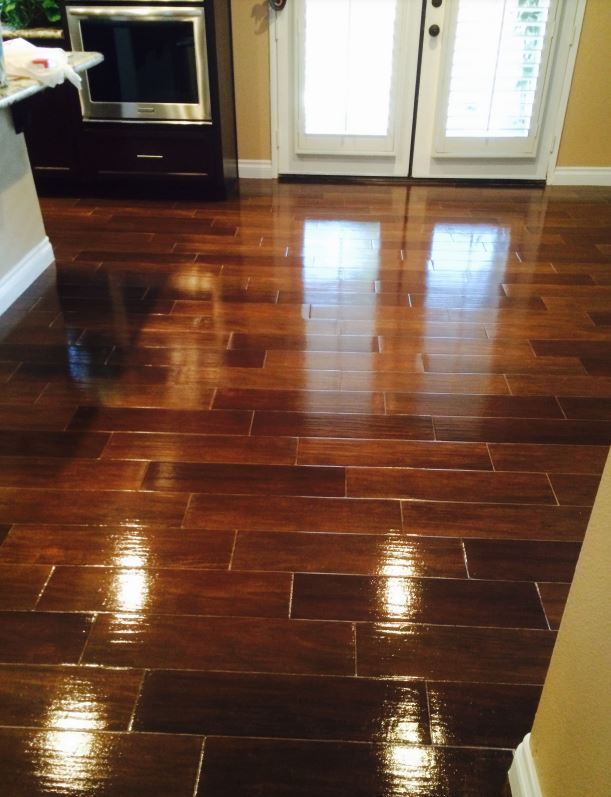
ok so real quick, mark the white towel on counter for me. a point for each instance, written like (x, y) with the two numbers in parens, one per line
(47, 65)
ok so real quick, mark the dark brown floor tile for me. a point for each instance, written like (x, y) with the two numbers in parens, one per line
(134, 419)
(21, 584)
(473, 405)
(167, 447)
(339, 425)
(367, 554)
(52, 444)
(278, 513)
(305, 342)
(572, 348)
(285, 706)
(171, 591)
(548, 458)
(299, 400)
(481, 715)
(436, 652)
(105, 506)
(393, 453)
(575, 489)
(179, 356)
(528, 385)
(68, 698)
(416, 600)
(86, 474)
(43, 764)
(245, 479)
(518, 430)
(521, 560)
(221, 643)
(455, 485)
(22, 393)
(244, 767)
(4, 530)
(121, 546)
(495, 521)
(472, 364)
(595, 409)
(37, 638)
(27, 417)
(553, 598)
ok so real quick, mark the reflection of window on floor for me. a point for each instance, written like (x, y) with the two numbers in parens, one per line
(330, 246)
(348, 66)
(468, 247)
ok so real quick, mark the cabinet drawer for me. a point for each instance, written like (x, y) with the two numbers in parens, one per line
(107, 153)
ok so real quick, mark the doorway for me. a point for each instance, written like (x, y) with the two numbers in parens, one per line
(421, 88)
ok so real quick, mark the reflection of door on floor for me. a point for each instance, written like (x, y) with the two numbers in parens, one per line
(474, 85)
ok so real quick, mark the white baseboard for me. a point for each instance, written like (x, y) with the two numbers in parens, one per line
(575, 175)
(256, 170)
(523, 777)
(23, 274)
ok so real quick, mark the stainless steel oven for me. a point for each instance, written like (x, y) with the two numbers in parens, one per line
(155, 61)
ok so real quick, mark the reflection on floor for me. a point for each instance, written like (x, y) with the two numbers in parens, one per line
(293, 486)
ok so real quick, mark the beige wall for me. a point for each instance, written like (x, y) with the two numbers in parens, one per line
(21, 227)
(250, 21)
(585, 139)
(571, 737)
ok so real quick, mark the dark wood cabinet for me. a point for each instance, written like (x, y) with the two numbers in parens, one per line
(68, 152)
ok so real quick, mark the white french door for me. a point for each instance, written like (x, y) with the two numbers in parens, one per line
(346, 85)
(479, 84)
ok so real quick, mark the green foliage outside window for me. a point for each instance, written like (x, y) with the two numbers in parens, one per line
(29, 13)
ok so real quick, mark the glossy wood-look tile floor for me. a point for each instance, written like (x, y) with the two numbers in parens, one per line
(292, 487)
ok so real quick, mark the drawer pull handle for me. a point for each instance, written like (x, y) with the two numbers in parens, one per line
(154, 157)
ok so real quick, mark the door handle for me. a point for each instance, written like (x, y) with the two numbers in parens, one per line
(434, 30)
(277, 5)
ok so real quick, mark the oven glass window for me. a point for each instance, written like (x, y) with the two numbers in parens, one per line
(144, 61)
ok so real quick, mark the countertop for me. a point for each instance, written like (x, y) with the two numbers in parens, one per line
(20, 88)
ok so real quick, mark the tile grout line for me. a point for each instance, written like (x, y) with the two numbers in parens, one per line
(551, 486)
(130, 724)
(87, 637)
(200, 764)
(235, 540)
(428, 709)
(542, 606)
(291, 590)
(44, 586)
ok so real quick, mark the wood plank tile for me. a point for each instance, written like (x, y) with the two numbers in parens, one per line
(435, 652)
(299, 401)
(473, 405)
(37, 762)
(521, 560)
(426, 600)
(488, 715)
(28, 505)
(27, 417)
(131, 546)
(83, 444)
(455, 485)
(278, 513)
(553, 598)
(356, 343)
(281, 706)
(161, 420)
(42, 638)
(368, 554)
(68, 698)
(530, 385)
(241, 767)
(518, 430)
(549, 458)
(469, 364)
(167, 591)
(168, 447)
(495, 521)
(389, 453)
(220, 643)
(21, 584)
(595, 409)
(425, 383)
(245, 479)
(56, 472)
(339, 425)
(575, 489)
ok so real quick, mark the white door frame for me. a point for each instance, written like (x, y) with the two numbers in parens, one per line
(561, 98)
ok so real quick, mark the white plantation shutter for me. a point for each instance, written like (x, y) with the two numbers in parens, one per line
(497, 54)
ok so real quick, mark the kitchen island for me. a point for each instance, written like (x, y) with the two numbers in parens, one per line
(25, 250)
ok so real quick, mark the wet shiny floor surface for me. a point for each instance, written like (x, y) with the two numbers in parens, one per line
(292, 487)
